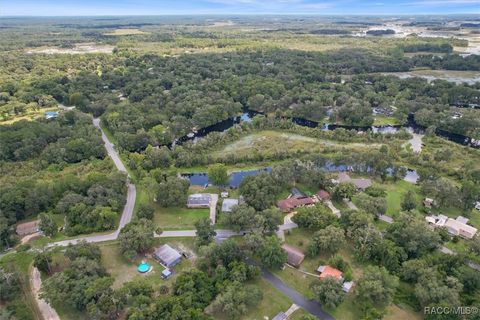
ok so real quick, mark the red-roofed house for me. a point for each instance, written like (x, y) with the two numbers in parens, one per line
(327, 271)
(289, 204)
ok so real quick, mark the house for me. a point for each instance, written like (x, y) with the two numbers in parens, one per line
(458, 228)
(199, 200)
(51, 115)
(297, 193)
(295, 256)
(437, 221)
(26, 228)
(462, 219)
(428, 202)
(167, 256)
(327, 271)
(347, 286)
(280, 316)
(289, 204)
(228, 204)
(323, 195)
(360, 184)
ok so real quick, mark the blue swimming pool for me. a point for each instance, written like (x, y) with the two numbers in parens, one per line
(143, 267)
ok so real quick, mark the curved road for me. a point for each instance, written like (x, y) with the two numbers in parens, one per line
(127, 209)
(309, 305)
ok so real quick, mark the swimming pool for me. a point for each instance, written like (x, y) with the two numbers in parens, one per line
(143, 267)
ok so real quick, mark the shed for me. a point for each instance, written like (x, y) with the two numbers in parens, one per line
(167, 256)
(294, 255)
(199, 200)
(166, 273)
(347, 286)
(228, 204)
(26, 228)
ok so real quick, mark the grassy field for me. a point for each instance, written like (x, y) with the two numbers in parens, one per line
(384, 120)
(178, 218)
(271, 142)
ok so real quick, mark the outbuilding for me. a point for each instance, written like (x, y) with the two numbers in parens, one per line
(228, 204)
(167, 256)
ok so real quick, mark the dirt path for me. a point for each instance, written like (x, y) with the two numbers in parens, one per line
(48, 313)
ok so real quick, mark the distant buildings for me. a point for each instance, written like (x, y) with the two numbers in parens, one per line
(295, 256)
(199, 200)
(167, 256)
(27, 228)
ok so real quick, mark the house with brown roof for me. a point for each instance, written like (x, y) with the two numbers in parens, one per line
(323, 195)
(295, 256)
(327, 271)
(27, 228)
(361, 183)
(287, 205)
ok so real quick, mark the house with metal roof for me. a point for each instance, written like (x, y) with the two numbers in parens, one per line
(27, 228)
(199, 200)
(327, 271)
(167, 256)
(295, 256)
(228, 204)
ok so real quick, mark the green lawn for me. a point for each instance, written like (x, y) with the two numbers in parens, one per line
(384, 120)
(178, 218)
(395, 192)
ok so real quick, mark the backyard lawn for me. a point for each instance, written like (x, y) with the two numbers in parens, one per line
(178, 218)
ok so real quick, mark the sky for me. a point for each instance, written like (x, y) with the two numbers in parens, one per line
(189, 7)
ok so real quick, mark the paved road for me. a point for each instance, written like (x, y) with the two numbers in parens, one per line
(112, 153)
(127, 209)
(309, 305)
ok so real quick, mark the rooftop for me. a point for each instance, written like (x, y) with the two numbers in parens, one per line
(327, 271)
(199, 199)
(167, 254)
(323, 195)
(228, 204)
(294, 255)
(292, 203)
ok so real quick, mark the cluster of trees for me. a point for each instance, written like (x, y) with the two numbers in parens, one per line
(261, 191)
(89, 204)
(69, 138)
(84, 285)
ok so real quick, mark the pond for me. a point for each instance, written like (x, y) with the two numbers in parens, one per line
(234, 181)
(236, 178)
(410, 126)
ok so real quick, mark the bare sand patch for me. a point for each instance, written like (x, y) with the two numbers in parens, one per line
(125, 32)
(79, 48)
